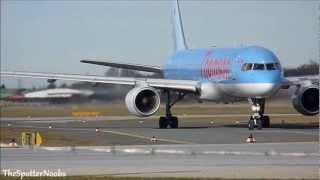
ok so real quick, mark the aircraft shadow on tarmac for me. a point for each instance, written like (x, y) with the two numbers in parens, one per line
(309, 125)
(285, 125)
(313, 125)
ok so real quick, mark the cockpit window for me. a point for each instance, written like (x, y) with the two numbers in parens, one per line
(258, 67)
(246, 67)
(271, 66)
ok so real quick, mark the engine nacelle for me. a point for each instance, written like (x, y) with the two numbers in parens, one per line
(306, 100)
(143, 101)
(211, 92)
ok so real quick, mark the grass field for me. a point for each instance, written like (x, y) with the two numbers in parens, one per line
(182, 110)
(114, 178)
(119, 109)
(50, 138)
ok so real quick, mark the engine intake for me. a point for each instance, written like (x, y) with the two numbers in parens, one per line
(143, 101)
(306, 100)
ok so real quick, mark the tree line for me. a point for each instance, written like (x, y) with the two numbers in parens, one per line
(311, 68)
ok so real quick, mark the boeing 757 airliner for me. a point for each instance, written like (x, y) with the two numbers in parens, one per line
(215, 74)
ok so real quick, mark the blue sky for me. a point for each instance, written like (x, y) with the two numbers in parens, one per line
(52, 36)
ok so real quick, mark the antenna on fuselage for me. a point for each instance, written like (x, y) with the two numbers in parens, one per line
(179, 39)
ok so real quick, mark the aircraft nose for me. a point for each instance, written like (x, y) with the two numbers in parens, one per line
(259, 84)
(265, 89)
(266, 84)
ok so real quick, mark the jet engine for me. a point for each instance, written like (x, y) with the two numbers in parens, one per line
(143, 101)
(306, 100)
(210, 91)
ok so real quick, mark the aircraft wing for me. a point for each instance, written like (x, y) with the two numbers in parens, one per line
(301, 80)
(180, 85)
(137, 67)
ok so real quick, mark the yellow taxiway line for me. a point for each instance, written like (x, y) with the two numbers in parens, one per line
(145, 137)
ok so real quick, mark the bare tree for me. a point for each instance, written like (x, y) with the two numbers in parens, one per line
(312, 68)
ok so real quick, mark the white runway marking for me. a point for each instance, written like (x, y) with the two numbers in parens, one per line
(284, 160)
(155, 150)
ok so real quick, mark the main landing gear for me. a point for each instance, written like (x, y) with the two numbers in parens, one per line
(170, 120)
(258, 119)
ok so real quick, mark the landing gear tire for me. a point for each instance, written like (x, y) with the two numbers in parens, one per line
(259, 123)
(251, 124)
(174, 122)
(163, 123)
(265, 121)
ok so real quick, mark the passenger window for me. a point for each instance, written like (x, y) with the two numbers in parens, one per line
(246, 67)
(271, 66)
(258, 67)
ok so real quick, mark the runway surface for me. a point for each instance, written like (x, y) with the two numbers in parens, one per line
(118, 130)
(266, 160)
(200, 148)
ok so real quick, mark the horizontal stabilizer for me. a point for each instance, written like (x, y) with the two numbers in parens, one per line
(137, 67)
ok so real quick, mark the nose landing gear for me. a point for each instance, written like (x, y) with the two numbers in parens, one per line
(258, 119)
